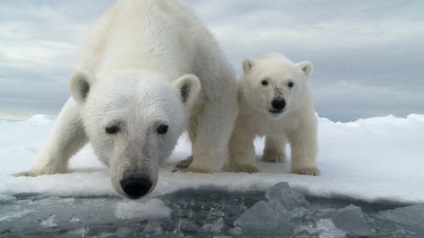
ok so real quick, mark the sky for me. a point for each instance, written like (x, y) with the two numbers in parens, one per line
(368, 56)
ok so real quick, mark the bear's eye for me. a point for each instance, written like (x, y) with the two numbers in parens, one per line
(162, 129)
(290, 84)
(112, 130)
(264, 82)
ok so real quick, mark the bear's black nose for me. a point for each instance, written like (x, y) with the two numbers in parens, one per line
(136, 186)
(278, 104)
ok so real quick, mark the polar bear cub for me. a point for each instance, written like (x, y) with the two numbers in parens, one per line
(275, 102)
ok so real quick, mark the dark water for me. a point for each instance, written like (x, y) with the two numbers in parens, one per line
(211, 212)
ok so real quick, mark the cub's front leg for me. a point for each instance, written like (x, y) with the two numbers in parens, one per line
(242, 151)
(65, 139)
(304, 148)
(274, 150)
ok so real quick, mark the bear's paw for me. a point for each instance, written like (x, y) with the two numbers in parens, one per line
(184, 164)
(38, 172)
(244, 168)
(194, 170)
(306, 171)
(274, 158)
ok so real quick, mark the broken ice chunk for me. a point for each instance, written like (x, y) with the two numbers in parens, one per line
(186, 225)
(80, 232)
(351, 219)
(74, 219)
(411, 217)
(215, 226)
(324, 228)
(264, 218)
(153, 227)
(49, 222)
(259, 216)
(286, 196)
(108, 235)
(124, 231)
(153, 208)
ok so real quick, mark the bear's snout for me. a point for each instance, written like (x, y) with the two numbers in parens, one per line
(136, 186)
(278, 105)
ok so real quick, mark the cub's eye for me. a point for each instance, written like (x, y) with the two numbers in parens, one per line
(264, 82)
(112, 130)
(162, 129)
(290, 84)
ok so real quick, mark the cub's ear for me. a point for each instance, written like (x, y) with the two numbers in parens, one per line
(189, 87)
(80, 86)
(248, 64)
(306, 67)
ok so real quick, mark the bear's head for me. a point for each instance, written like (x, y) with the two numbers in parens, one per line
(274, 85)
(133, 121)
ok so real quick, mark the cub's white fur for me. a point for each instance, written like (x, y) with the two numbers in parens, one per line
(275, 102)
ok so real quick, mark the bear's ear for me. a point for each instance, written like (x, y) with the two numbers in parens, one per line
(189, 88)
(306, 67)
(80, 86)
(248, 64)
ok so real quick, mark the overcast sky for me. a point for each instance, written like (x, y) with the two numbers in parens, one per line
(368, 56)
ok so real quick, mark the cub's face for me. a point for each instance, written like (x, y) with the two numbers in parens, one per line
(275, 86)
(133, 124)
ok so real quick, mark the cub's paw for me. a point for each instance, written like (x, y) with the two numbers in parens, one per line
(306, 171)
(274, 158)
(184, 164)
(244, 168)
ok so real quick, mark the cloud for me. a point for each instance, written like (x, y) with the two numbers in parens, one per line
(367, 55)
(41, 33)
(362, 51)
(39, 41)
(344, 100)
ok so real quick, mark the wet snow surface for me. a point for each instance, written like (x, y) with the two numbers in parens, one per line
(371, 186)
(208, 212)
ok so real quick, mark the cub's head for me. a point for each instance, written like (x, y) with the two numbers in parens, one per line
(274, 85)
(133, 121)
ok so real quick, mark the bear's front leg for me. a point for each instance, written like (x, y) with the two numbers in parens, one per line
(304, 148)
(65, 139)
(212, 130)
(275, 149)
(210, 146)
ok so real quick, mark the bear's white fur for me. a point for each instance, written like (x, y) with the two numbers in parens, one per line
(148, 70)
(275, 102)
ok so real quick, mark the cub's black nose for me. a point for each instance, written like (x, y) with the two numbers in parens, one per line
(136, 186)
(278, 104)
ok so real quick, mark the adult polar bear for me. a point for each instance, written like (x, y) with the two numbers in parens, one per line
(134, 92)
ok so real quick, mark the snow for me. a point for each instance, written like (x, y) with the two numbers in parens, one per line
(371, 185)
(375, 159)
